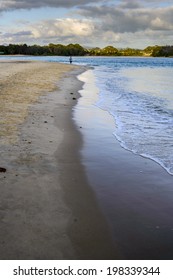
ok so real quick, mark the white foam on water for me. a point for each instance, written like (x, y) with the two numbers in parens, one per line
(141, 101)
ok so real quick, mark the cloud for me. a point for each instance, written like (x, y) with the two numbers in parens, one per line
(19, 34)
(130, 4)
(6, 5)
(63, 31)
(15, 37)
(63, 27)
(116, 19)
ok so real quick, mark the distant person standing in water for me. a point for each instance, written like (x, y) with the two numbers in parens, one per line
(70, 59)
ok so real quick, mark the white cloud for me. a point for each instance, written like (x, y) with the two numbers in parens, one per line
(63, 28)
(160, 24)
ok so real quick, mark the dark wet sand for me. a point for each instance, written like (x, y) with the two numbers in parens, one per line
(135, 193)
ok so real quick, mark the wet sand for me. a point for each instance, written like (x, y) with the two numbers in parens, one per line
(47, 208)
(135, 193)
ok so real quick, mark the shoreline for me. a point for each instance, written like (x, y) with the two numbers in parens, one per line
(88, 228)
(48, 210)
(134, 193)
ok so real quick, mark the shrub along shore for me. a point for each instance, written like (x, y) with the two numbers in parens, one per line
(78, 50)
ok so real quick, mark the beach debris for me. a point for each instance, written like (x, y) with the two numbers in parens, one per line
(74, 98)
(2, 169)
(71, 92)
(45, 121)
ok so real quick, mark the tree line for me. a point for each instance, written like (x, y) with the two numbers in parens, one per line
(51, 49)
(78, 50)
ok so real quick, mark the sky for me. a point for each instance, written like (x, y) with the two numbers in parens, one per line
(93, 23)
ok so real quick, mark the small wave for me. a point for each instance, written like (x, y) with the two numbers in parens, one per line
(143, 123)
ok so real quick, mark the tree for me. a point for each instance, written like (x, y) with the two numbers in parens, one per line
(75, 50)
(109, 50)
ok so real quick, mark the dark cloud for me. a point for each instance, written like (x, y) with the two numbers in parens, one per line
(17, 34)
(22, 33)
(6, 5)
(134, 4)
(119, 20)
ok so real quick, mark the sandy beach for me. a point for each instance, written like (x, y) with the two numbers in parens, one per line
(47, 208)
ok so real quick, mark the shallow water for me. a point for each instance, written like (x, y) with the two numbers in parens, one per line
(141, 100)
